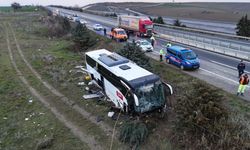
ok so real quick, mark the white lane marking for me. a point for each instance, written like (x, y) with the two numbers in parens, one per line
(234, 68)
(219, 76)
(222, 77)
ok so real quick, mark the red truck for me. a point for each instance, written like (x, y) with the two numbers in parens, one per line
(140, 25)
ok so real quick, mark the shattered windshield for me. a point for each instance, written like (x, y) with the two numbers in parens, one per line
(150, 96)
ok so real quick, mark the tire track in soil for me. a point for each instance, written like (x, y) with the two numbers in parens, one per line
(74, 129)
(106, 128)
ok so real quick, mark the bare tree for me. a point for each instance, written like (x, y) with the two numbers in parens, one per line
(16, 6)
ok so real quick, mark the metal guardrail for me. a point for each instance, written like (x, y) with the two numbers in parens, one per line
(202, 31)
(227, 47)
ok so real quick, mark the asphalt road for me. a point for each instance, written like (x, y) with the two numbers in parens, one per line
(216, 69)
(233, 43)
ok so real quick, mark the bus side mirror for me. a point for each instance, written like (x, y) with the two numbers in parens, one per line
(169, 88)
(136, 100)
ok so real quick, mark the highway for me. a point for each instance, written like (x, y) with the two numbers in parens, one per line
(225, 27)
(224, 43)
(216, 69)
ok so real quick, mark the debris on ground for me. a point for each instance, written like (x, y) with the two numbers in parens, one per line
(26, 119)
(87, 88)
(111, 114)
(81, 83)
(96, 95)
(99, 118)
(45, 143)
(49, 59)
(5, 118)
(30, 100)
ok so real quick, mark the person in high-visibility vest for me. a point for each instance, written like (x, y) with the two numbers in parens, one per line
(169, 45)
(243, 84)
(161, 54)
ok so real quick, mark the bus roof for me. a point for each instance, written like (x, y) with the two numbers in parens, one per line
(121, 66)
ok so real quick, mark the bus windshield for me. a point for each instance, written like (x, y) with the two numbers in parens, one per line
(150, 96)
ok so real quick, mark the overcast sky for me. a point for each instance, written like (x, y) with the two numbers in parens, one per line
(86, 2)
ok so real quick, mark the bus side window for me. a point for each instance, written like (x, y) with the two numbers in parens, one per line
(90, 61)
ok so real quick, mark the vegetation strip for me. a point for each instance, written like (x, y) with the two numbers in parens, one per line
(69, 102)
(75, 130)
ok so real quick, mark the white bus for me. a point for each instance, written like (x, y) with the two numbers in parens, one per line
(130, 87)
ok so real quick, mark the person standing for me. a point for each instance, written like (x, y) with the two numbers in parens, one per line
(127, 34)
(243, 84)
(152, 40)
(169, 44)
(161, 54)
(105, 31)
(241, 67)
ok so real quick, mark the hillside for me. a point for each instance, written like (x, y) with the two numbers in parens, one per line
(229, 12)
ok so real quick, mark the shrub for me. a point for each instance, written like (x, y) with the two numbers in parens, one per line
(134, 53)
(158, 20)
(243, 27)
(133, 133)
(203, 121)
(16, 6)
(57, 26)
(178, 23)
(82, 37)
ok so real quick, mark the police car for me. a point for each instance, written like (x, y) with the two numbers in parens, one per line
(182, 57)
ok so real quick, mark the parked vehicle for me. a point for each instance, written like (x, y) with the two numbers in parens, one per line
(82, 21)
(56, 12)
(76, 19)
(144, 45)
(129, 87)
(140, 25)
(118, 34)
(97, 27)
(182, 57)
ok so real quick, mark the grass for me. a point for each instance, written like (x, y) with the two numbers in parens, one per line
(23, 123)
(35, 48)
(5, 9)
(23, 9)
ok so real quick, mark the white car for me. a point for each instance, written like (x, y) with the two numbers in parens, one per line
(76, 19)
(97, 27)
(145, 45)
(83, 21)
